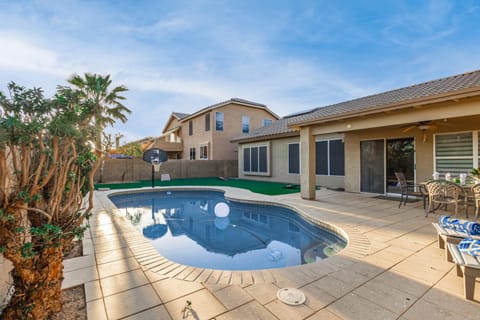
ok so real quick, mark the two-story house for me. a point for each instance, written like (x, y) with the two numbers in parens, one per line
(206, 134)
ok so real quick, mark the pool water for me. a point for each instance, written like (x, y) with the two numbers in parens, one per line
(203, 229)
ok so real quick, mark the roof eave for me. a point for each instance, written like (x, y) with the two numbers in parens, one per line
(267, 137)
(413, 103)
(222, 104)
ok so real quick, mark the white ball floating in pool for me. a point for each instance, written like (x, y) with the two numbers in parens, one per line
(222, 210)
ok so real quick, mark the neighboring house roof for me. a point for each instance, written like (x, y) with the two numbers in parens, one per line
(457, 86)
(278, 129)
(180, 115)
(224, 103)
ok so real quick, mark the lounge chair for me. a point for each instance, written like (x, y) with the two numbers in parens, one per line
(467, 266)
(453, 231)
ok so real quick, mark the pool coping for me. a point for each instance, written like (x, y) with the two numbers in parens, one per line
(358, 245)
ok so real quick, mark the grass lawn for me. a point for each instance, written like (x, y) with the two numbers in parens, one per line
(268, 188)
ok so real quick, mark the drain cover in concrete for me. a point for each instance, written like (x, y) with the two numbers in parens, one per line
(291, 296)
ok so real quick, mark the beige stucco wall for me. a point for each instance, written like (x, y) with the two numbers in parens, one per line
(222, 148)
(450, 117)
(218, 142)
(460, 116)
(279, 163)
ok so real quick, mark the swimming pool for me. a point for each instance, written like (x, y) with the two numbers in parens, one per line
(203, 229)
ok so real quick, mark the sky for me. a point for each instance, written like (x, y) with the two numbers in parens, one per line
(181, 56)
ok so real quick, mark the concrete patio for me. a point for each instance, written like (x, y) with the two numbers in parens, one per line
(392, 268)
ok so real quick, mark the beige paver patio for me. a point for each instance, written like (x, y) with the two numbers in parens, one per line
(392, 268)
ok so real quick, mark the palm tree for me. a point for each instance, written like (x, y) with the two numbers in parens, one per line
(103, 105)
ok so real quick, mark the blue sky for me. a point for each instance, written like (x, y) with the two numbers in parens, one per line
(184, 55)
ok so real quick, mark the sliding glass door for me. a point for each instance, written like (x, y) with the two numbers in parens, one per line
(400, 158)
(372, 169)
(380, 159)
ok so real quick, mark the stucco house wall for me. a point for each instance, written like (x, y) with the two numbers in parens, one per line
(278, 162)
(221, 147)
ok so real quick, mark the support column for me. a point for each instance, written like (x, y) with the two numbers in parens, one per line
(307, 164)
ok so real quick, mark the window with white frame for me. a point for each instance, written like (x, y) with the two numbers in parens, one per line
(330, 157)
(219, 118)
(192, 153)
(203, 153)
(190, 127)
(266, 122)
(457, 152)
(245, 124)
(255, 159)
(293, 158)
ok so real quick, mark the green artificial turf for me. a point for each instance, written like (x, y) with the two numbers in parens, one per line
(263, 187)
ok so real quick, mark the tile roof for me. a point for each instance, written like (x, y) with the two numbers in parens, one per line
(276, 128)
(180, 115)
(234, 100)
(377, 101)
(424, 90)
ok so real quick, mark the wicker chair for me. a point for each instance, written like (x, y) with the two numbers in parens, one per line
(442, 192)
(476, 198)
(408, 189)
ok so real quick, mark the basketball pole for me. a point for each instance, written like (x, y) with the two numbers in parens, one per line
(153, 175)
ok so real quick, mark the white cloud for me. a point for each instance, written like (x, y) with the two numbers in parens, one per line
(21, 54)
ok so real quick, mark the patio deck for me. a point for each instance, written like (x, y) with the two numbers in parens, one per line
(391, 269)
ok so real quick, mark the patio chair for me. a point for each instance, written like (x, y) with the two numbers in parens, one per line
(476, 198)
(408, 189)
(467, 266)
(442, 192)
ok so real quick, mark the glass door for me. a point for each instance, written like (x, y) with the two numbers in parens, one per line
(372, 166)
(400, 154)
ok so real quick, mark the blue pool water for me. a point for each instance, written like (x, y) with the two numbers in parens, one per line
(202, 229)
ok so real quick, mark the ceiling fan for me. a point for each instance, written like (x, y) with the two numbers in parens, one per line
(424, 126)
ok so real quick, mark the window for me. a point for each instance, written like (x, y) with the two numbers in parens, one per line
(330, 158)
(190, 127)
(203, 153)
(192, 153)
(294, 158)
(207, 122)
(245, 124)
(457, 152)
(219, 121)
(255, 160)
(266, 122)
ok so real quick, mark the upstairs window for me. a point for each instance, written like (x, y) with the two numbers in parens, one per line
(245, 124)
(207, 122)
(330, 157)
(294, 158)
(267, 122)
(203, 153)
(219, 121)
(190, 127)
(192, 153)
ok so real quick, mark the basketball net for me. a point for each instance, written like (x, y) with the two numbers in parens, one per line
(156, 166)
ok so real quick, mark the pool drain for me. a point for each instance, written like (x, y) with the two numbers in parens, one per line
(291, 296)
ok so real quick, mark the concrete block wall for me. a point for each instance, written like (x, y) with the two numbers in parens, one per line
(123, 170)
